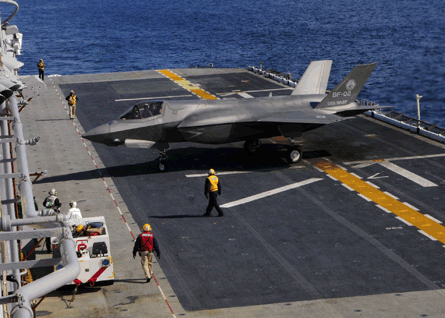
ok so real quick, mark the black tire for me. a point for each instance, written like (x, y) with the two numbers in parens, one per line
(162, 166)
(294, 154)
(251, 146)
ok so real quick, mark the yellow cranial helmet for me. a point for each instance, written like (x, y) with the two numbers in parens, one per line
(79, 228)
(211, 172)
(146, 227)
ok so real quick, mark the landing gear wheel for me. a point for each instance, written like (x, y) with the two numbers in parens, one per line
(162, 166)
(251, 146)
(294, 154)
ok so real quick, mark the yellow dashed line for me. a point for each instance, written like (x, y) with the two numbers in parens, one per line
(410, 215)
(187, 85)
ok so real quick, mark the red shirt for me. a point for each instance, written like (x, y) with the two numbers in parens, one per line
(146, 241)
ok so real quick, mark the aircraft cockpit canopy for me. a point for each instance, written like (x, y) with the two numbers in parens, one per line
(144, 110)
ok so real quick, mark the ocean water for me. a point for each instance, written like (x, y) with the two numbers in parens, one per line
(405, 37)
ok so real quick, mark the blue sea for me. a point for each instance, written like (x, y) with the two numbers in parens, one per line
(405, 37)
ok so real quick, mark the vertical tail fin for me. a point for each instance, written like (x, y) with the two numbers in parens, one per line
(315, 78)
(348, 89)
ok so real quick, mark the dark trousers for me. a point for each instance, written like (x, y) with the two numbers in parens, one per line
(41, 75)
(48, 244)
(213, 203)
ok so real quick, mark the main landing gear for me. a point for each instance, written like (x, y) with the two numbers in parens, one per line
(251, 146)
(162, 165)
(293, 155)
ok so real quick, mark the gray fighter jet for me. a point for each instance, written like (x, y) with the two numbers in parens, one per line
(155, 124)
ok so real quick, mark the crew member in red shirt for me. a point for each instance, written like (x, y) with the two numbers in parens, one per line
(145, 244)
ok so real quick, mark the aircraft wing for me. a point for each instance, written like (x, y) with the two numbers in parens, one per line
(302, 117)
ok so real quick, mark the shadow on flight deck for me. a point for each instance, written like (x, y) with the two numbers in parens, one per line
(222, 159)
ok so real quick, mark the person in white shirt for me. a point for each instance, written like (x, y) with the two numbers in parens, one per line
(74, 213)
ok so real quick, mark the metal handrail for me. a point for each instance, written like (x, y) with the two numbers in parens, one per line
(67, 245)
(12, 14)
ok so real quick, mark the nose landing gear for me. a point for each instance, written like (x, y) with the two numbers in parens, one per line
(162, 165)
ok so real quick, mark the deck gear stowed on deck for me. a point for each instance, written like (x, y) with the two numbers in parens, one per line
(145, 244)
(93, 251)
(212, 189)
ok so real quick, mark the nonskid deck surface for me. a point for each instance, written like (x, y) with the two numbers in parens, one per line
(290, 232)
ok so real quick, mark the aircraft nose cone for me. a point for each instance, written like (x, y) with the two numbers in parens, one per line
(98, 134)
(104, 134)
(90, 135)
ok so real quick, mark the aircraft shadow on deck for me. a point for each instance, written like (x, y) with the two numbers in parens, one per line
(183, 216)
(54, 119)
(201, 159)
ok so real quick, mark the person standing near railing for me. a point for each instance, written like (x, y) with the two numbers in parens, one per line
(41, 67)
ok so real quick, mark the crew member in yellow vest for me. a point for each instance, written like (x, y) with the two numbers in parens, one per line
(41, 67)
(72, 100)
(212, 189)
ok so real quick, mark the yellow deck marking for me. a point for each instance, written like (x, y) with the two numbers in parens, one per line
(187, 85)
(403, 211)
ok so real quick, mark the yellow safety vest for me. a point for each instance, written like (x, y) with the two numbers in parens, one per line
(213, 183)
(72, 100)
(41, 66)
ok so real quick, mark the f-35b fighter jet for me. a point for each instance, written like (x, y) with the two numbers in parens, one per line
(155, 124)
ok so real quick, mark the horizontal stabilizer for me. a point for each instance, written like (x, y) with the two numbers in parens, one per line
(352, 111)
(315, 79)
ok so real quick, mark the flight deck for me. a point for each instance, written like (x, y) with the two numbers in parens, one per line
(360, 215)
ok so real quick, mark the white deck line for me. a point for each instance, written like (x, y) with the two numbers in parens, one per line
(433, 218)
(391, 195)
(393, 159)
(372, 184)
(411, 206)
(244, 94)
(331, 177)
(219, 174)
(427, 235)
(152, 98)
(384, 209)
(404, 221)
(270, 192)
(407, 174)
(355, 175)
(343, 168)
(364, 197)
(347, 187)
(317, 168)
